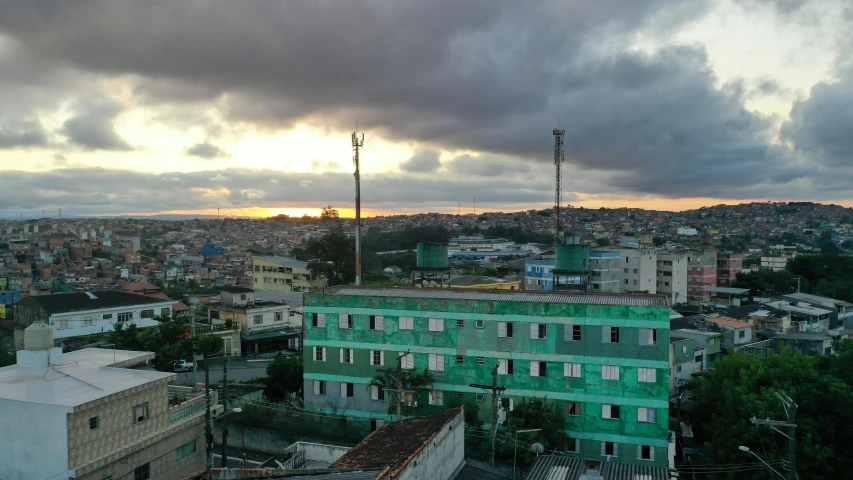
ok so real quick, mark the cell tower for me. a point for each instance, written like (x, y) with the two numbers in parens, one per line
(559, 156)
(357, 143)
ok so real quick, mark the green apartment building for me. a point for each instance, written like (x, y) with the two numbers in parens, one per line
(604, 358)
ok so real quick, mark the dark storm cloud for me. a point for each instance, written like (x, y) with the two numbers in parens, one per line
(85, 190)
(206, 150)
(423, 161)
(821, 125)
(480, 75)
(27, 134)
(91, 127)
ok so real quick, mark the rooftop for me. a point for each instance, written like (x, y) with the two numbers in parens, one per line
(803, 336)
(808, 297)
(802, 308)
(626, 299)
(395, 444)
(81, 301)
(235, 289)
(728, 290)
(729, 322)
(553, 467)
(289, 262)
(464, 280)
(475, 470)
(694, 331)
(83, 376)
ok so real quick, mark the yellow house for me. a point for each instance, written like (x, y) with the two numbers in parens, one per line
(284, 274)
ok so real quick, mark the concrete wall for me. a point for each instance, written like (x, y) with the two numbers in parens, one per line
(441, 456)
(319, 453)
(33, 441)
(257, 439)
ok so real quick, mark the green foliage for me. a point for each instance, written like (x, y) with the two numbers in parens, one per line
(334, 257)
(472, 411)
(418, 381)
(603, 242)
(7, 354)
(329, 213)
(165, 341)
(767, 282)
(536, 413)
(208, 344)
(4, 246)
(179, 290)
(659, 241)
(742, 386)
(284, 376)
(517, 234)
(407, 239)
(825, 274)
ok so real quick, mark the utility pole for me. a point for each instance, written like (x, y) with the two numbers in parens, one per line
(357, 143)
(495, 389)
(398, 375)
(790, 412)
(208, 428)
(225, 402)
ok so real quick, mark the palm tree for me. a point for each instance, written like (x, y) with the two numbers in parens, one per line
(418, 381)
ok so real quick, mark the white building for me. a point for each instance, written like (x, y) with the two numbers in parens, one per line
(638, 270)
(672, 276)
(89, 414)
(81, 314)
(687, 231)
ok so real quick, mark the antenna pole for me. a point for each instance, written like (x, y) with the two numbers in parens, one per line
(559, 156)
(357, 143)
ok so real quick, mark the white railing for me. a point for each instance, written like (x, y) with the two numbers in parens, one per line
(190, 408)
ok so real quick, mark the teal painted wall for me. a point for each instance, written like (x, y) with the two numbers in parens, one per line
(471, 342)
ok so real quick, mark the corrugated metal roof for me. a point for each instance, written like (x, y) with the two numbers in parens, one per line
(633, 300)
(476, 470)
(551, 467)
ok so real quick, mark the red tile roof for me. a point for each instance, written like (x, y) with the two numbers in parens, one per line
(395, 444)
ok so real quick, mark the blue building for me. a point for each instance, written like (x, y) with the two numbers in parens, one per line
(10, 297)
(539, 274)
(208, 250)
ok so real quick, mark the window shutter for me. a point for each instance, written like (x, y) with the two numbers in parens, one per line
(639, 452)
(605, 411)
(440, 362)
(603, 448)
(534, 369)
(323, 353)
(343, 389)
(615, 449)
(380, 322)
(374, 392)
(342, 355)
(321, 320)
(316, 387)
(567, 369)
(432, 362)
(652, 415)
(381, 358)
(502, 329)
(605, 334)
(501, 367)
(534, 330)
(342, 321)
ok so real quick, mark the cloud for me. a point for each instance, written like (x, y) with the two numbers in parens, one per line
(423, 161)
(92, 126)
(26, 134)
(206, 150)
(488, 166)
(821, 126)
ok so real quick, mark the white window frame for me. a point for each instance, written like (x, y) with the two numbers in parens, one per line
(569, 333)
(536, 369)
(505, 366)
(607, 412)
(345, 387)
(408, 361)
(647, 415)
(505, 330)
(610, 372)
(607, 334)
(436, 324)
(534, 331)
(572, 370)
(345, 321)
(604, 449)
(647, 375)
(378, 323)
(578, 412)
(322, 354)
(258, 319)
(648, 336)
(480, 324)
(319, 319)
(407, 323)
(374, 357)
(435, 362)
(319, 387)
(375, 391)
(436, 397)
(348, 357)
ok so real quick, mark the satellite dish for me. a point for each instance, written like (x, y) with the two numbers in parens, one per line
(537, 448)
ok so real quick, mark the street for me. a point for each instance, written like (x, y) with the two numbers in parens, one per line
(241, 373)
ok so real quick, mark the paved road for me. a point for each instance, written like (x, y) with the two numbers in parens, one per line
(251, 370)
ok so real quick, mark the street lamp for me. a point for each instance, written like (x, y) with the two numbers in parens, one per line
(225, 435)
(515, 446)
(746, 449)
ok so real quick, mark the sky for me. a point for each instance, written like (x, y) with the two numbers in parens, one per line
(114, 107)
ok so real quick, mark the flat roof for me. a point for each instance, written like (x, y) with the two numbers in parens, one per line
(694, 331)
(83, 301)
(807, 309)
(808, 297)
(270, 334)
(234, 289)
(803, 336)
(729, 322)
(626, 299)
(83, 376)
(729, 290)
(289, 262)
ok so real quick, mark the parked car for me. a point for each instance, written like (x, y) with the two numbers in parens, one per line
(182, 366)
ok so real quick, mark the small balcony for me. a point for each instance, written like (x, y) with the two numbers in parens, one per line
(186, 402)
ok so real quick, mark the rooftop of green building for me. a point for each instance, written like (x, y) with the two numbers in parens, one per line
(624, 299)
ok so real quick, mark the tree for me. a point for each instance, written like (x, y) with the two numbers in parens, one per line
(420, 382)
(537, 413)
(743, 386)
(766, 282)
(334, 256)
(284, 376)
(603, 242)
(329, 213)
(168, 341)
(208, 344)
(7, 355)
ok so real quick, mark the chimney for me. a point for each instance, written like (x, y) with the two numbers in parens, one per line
(39, 351)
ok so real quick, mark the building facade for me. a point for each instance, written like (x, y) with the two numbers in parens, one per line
(639, 270)
(701, 274)
(604, 271)
(728, 266)
(672, 276)
(262, 325)
(602, 358)
(282, 273)
(539, 274)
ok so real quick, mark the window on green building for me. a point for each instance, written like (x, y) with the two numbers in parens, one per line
(504, 329)
(185, 450)
(573, 333)
(648, 336)
(646, 415)
(610, 372)
(609, 449)
(505, 366)
(572, 408)
(610, 412)
(610, 334)
(645, 452)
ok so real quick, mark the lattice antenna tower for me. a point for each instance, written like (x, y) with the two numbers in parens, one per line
(559, 157)
(357, 143)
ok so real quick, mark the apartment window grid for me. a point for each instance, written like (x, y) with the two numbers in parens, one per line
(436, 397)
(407, 323)
(572, 370)
(377, 322)
(609, 449)
(377, 357)
(125, 316)
(538, 369)
(185, 450)
(460, 323)
(645, 452)
(347, 355)
(648, 336)
(258, 319)
(572, 409)
(647, 375)
(320, 354)
(318, 320)
(574, 445)
(147, 313)
(377, 393)
(481, 360)
(610, 372)
(435, 362)
(505, 366)
(345, 321)
(646, 415)
(610, 412)
(436, 324)
(573, 333)
(538, 331)
(88, 321)
(610, 334)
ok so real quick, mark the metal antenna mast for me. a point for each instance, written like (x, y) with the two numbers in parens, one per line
(559, 155)
(356, 146)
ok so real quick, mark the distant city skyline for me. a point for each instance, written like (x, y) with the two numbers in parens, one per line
(127, 108)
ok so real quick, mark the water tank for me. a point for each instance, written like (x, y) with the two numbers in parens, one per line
(432, 256)
(572, 258)
(38, 336)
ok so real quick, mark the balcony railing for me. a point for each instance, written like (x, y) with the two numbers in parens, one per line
(190, 408)
(216, 328)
